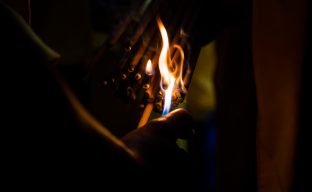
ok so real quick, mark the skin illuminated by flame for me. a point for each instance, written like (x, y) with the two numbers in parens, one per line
(149, 68)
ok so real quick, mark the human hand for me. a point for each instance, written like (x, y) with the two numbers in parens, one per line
(155, 145)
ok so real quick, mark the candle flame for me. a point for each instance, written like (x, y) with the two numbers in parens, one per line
(149, 68)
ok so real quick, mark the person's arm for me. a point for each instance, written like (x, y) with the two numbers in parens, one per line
(167, 166)
(54, 142)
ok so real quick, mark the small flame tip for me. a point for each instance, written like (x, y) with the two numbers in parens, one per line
(149, 68)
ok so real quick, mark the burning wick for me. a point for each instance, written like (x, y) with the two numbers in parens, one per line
(171, 77)
(149, 72)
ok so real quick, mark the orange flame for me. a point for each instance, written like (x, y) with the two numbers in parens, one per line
(149, 68)
(170, 79)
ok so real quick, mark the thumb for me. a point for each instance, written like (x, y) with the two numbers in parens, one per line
(176, 124)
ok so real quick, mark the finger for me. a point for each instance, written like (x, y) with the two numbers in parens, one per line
(176, 124)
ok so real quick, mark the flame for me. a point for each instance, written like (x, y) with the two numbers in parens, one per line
(171, 77)
(149, 68)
